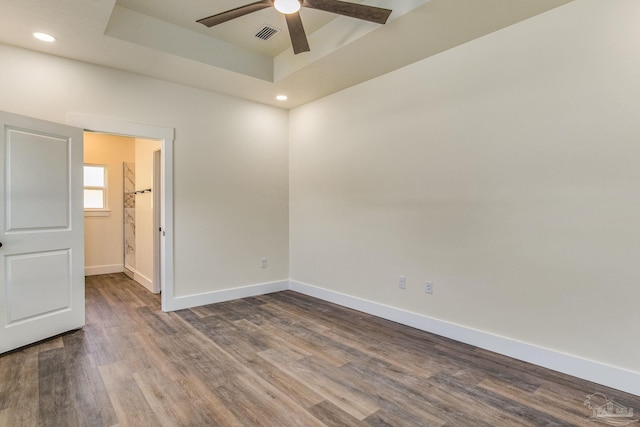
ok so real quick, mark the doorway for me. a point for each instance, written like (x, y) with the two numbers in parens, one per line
(164, 231)
(120, 226)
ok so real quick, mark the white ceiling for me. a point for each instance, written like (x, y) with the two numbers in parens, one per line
(160, 39)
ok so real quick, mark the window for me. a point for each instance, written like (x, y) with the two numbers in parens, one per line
(95, 188)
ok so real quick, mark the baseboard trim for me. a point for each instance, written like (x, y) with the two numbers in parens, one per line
(188, 301)
(95, 270)
(144, 281)
(599, 373)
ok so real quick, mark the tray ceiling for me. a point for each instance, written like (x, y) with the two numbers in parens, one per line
(160, 39)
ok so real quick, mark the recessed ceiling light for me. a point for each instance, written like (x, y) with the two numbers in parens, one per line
(282, 97)
(44, 37)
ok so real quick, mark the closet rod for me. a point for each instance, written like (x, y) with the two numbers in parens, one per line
(146, 190)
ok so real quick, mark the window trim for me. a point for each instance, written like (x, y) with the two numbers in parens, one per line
(97, 212)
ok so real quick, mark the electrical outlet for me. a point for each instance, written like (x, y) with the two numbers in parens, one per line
(264, 263)
(428, 287)
(402, 282)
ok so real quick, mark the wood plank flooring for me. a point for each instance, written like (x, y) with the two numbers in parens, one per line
(278, 360)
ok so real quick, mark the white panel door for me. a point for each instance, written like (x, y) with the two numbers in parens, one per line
(42, 230)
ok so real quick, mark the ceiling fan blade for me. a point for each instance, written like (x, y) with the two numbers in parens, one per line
(297, 34)
(235, 13)
(375, 14)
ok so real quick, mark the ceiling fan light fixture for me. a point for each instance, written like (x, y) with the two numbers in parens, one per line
(290, 9)
(287, 6)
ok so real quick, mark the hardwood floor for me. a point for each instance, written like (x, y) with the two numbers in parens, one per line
(279, 360)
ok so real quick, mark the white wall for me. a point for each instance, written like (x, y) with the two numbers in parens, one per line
(504, 170)
(104, 248)
(144, 211)
(230, 161)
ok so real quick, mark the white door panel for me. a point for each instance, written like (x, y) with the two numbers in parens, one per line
(46, 274)
(39, 193)
(41, 215)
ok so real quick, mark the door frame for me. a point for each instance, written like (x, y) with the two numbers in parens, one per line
(166, 137)
(157, 221)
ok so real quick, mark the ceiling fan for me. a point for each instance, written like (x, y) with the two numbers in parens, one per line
(290, 10)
